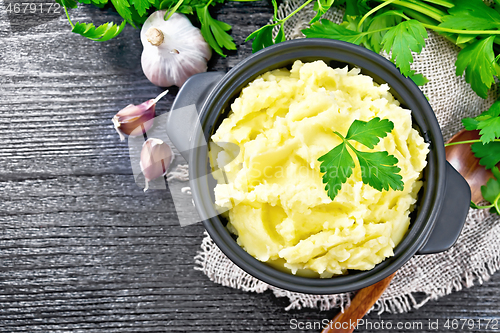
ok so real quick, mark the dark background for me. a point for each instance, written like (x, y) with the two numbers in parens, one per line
(82, 248)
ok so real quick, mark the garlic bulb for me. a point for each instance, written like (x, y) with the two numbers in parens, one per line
(173, 51)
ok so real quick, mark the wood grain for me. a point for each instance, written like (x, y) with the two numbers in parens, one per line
(347, 321)
(82, 248)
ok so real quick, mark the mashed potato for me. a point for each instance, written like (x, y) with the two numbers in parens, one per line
(273, 192)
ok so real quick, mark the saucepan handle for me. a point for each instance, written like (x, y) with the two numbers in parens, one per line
(181, 123)
(453, 213)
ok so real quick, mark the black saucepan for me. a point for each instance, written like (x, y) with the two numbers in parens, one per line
(443, 201)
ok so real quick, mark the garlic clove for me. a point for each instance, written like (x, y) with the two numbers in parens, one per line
(156, 157)
(134, 120)
(174, 50)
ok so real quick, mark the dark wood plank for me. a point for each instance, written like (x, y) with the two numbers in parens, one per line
(82, 248)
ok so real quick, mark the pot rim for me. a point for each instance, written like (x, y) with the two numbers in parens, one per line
(404, 88)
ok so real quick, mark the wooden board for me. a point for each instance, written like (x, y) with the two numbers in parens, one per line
(82, 248)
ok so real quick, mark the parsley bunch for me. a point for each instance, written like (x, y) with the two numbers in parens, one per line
(399, 27)
(395, 26)
(263, 37)
(135, 13)
(487, 150)
(378, 169)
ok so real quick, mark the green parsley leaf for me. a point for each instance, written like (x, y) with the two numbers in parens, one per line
(139, 20)
(123, 8)
(488, 154)
(491, 190)
(328, 29)
(369, 133)
(321, 7)
(183, 6)
(473, 205)
(262, 37)
(280, 37)
(102, 33)
(471, 15)
(68, 3)
(214, 31)
(463, 39)
(185, 9)
(444, 3)
(356, 7)
(493, 111)
(487, 122)
(478, 62)
(337, 166)
(219, 29)
(418, 78)
(379, 22)
(401, 40)
(351, 23)
(470, 124)
(142, 5)
(98, 3)
(379, 170)
(166, 4)
(490, 129)
(491, 193)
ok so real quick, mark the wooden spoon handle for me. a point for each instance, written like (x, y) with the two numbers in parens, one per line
(362, 302)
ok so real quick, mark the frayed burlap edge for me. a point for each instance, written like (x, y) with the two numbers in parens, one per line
(211, 261)
(219, 269)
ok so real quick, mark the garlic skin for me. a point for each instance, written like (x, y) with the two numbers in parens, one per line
(156, 157)
(173, 51)
(134, 120)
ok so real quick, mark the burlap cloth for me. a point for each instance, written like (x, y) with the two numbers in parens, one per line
(477, 253)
